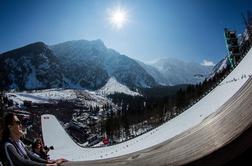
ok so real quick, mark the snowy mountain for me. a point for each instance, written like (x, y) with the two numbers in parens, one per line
(219, 67)
(31, 67)
(73, 64)
(155, 73)
(113, 86)
(173, 71)
(81, 63)
(91, 64)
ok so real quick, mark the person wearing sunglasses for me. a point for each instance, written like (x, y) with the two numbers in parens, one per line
(16, 153)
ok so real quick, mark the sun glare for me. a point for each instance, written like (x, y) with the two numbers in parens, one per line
(118, 17)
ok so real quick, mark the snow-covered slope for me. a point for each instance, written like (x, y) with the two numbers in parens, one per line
(91, 64)
(66, 148)
(113, 86)
(155, 73)
(221, 65)
(42, 96)
(89, 98)
(31, 67)
(72, 64)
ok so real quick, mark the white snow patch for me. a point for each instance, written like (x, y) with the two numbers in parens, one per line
(41, 96)
(113, 86)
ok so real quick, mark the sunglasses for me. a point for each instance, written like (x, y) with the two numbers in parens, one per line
(17, 122)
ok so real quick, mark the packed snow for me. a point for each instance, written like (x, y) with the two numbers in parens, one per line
(65, 147)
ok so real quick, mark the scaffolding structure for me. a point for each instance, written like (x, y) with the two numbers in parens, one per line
(238, 45)
(232, 46)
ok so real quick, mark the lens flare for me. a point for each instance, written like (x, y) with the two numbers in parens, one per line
(118, 17)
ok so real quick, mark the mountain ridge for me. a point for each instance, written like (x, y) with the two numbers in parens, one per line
(172, 71)
(88, 65)
(85, 64)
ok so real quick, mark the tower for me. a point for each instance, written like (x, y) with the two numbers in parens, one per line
(232, 46)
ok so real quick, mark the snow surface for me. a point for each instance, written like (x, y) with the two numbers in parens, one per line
(95, 97)
(65, 147)
(42, 96)
(113, 86)
(88, 98)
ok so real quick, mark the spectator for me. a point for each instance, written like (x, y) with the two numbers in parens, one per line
(39, 150)
(14, 149)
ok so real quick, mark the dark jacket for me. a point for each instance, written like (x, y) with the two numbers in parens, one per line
(17, 156)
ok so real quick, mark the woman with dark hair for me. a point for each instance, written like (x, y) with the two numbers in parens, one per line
(15, 151)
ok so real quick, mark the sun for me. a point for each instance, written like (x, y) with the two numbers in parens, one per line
(118, 17)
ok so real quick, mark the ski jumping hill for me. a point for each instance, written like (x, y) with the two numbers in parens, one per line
(198, 134)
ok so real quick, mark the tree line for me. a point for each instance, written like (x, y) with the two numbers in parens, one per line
(153, 110)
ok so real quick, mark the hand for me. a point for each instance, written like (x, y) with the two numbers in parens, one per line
(51, 161)
(61, 160)
(55, 164)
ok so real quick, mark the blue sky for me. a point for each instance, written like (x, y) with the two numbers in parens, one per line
(191, 30)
